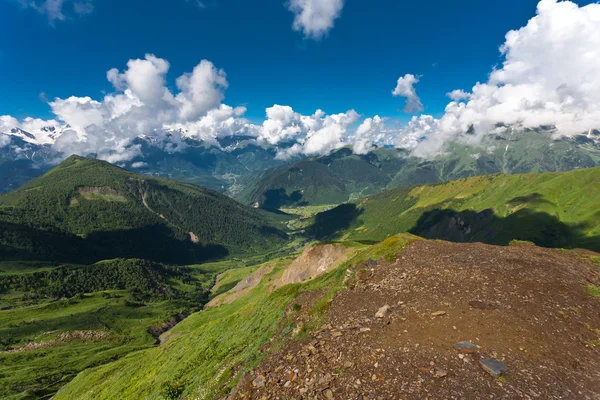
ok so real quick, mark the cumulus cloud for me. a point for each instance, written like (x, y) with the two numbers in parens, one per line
(7, 123)
(59, 10)
(406, 88)
(367, 134)
(142, 106)
(317, 134)
(4, 140)
(218, 123)
(458, 95)
(315, 18)
(549, 77)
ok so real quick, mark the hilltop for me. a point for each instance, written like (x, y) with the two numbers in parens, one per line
(86, 210)
(394, 332)
(550, 209)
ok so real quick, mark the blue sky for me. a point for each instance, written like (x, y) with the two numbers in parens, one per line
(453, 44)
(379, 70)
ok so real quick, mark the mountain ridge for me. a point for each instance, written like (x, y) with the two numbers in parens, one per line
(111, 213)
(343, 176)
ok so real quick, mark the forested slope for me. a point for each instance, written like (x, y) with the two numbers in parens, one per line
(87, 210)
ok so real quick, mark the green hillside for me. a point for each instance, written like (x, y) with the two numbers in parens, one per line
(211, 350)
(86, 210)
(344, 176)
(550, 209)
(58, 320)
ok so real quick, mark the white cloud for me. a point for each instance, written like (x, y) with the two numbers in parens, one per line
(4, 140)
(317, 134)
(7, 123)
(218, 123)
(550, 77)
(201, 91)
(141, 106)
(416, 131)
(368, 133)
(406, 88)
(59, 10)
(315, 18)
(139, 164)
(458, 95)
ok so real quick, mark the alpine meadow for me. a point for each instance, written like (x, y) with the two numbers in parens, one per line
(299, 199)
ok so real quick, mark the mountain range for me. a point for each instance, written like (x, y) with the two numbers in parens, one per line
(343, 176)
(251, 172)
(104, 272)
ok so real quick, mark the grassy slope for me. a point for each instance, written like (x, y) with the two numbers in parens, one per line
(565, 198)
(215, 347)
(39, 372)
(26, 319)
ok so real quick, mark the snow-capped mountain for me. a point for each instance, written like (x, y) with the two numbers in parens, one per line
(44, 135)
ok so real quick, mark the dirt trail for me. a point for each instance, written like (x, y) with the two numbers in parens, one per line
(524, 306)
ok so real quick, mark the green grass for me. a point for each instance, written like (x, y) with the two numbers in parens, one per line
(24, 267)
(33, 373)
(228, 279)
(593, 290)
(35, 322)
(551, 209)
(211, 350)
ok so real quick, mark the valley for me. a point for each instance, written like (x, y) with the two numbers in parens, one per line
(300, 199)
(170, 322)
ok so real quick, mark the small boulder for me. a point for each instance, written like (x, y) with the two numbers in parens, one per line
(493, 367)
(383, 311)
(259, 381)
(467, 347)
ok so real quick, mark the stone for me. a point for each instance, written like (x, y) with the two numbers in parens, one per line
(363, 330)
(440, 373)
(383, 311)
(480, 305)
(328, 394)
(467, 347)
(493, 367)
(438, 313)
(259, 381)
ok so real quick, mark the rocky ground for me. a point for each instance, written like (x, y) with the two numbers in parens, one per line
(440, 321)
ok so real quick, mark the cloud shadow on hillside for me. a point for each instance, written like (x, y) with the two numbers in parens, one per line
(543, 229)
(277, 198)
(153, 243)
(327, 224)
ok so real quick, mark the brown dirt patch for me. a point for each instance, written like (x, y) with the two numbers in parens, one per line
(242, 288)
(313, 262)
(523, 305)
